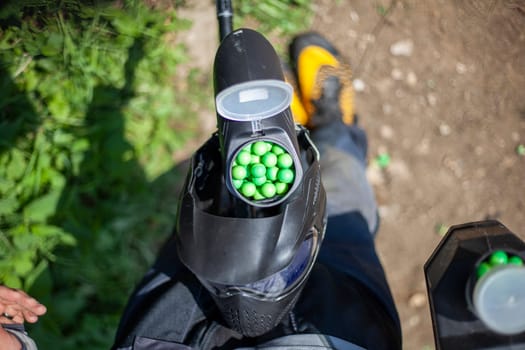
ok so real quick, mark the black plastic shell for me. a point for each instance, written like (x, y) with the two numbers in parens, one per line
(449, 272)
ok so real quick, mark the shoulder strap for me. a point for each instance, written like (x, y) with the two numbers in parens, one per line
(166, 305)
(305, 342)
(162, 309)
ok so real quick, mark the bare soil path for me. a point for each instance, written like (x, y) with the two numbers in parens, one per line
(444, 95)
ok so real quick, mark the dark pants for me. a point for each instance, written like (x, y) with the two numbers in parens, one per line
(358, 306)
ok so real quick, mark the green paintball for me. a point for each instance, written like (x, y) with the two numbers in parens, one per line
(262, 170)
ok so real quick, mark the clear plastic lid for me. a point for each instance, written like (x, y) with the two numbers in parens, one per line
(254, 100)
(499, 299)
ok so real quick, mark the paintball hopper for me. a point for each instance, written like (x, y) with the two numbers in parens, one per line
(476, 286)
(256, 129)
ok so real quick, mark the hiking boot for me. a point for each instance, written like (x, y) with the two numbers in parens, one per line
(298, 111)
(324, 80)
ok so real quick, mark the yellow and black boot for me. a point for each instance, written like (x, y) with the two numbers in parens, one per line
(299, 113)
(324, 80)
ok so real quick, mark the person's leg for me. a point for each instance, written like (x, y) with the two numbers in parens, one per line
(343, 166)
(348, 247)
(325, 89)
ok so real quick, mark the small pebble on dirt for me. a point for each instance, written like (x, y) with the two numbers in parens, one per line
(396, 74)
(432, 99)
(359, 85)
(461, 68)
(414, 321)
(354, 16)
(374, 175)
(444, 129)
(386, 132)
(417, 300)
(402, 48)
(411, 78)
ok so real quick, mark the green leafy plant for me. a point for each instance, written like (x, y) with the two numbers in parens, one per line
(89, 121)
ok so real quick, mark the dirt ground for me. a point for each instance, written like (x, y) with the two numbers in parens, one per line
(441, 90)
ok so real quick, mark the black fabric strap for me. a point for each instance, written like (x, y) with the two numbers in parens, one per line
(166, 305)
(305, 342)
(143, 343)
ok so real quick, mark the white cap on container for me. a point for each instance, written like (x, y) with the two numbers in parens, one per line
(254, 100)
(499, 299)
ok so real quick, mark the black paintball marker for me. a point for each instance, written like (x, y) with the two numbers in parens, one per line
(252, 212)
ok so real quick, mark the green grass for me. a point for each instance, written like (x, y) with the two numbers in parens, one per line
(279, 17)
(89, 124)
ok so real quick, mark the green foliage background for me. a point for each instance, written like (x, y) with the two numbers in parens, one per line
(90, 117)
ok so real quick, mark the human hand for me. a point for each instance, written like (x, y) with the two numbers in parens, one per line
(16, 306)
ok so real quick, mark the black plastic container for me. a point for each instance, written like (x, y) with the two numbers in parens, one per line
(451, 278)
